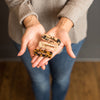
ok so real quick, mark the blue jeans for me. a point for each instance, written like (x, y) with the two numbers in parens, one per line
(59, 67)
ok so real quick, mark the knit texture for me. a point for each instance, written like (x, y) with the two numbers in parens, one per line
(48, 13)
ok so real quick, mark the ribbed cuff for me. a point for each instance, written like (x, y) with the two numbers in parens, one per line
(25, 9)
(74, 9)
(70, 12)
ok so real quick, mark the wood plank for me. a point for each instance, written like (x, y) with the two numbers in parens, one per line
(83, 82)
(15, 83)
(97, 72)
(5, 91)
(21, 87)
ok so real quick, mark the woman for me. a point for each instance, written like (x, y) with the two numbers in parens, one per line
(64, 19)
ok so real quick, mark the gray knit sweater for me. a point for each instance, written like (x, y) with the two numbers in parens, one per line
(48, 13)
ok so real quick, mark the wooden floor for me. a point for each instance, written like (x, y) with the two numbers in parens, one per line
(15, 82)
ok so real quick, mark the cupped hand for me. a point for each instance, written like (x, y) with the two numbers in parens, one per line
(62, 34)
(31, 38)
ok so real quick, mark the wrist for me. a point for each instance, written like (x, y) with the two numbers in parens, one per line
(30, 21)
(65, 23)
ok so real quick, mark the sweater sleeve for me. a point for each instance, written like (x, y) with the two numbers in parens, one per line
(21, 8)
(74, 9)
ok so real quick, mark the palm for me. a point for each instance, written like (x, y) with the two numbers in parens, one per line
(32, 37)
(65, 41)
(42, 60)
(60, 46)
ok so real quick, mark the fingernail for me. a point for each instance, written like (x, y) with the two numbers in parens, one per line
(18, 54)
(33, 66)
(46, 63)
(38, 66)
(43, 68)
(74, 56)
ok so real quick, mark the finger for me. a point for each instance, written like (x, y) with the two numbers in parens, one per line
(69, 50)
(37, 61)
(43, 61)
(31, 47)
(23, 47)
(46, 63)
(43, 64)
(31, 54)
(34, 58)
(43, 67)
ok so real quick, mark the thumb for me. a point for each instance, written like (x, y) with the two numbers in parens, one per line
(69, 50)
(23, 48)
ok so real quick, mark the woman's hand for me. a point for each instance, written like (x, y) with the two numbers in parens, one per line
(59, 31)
(32, 35)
